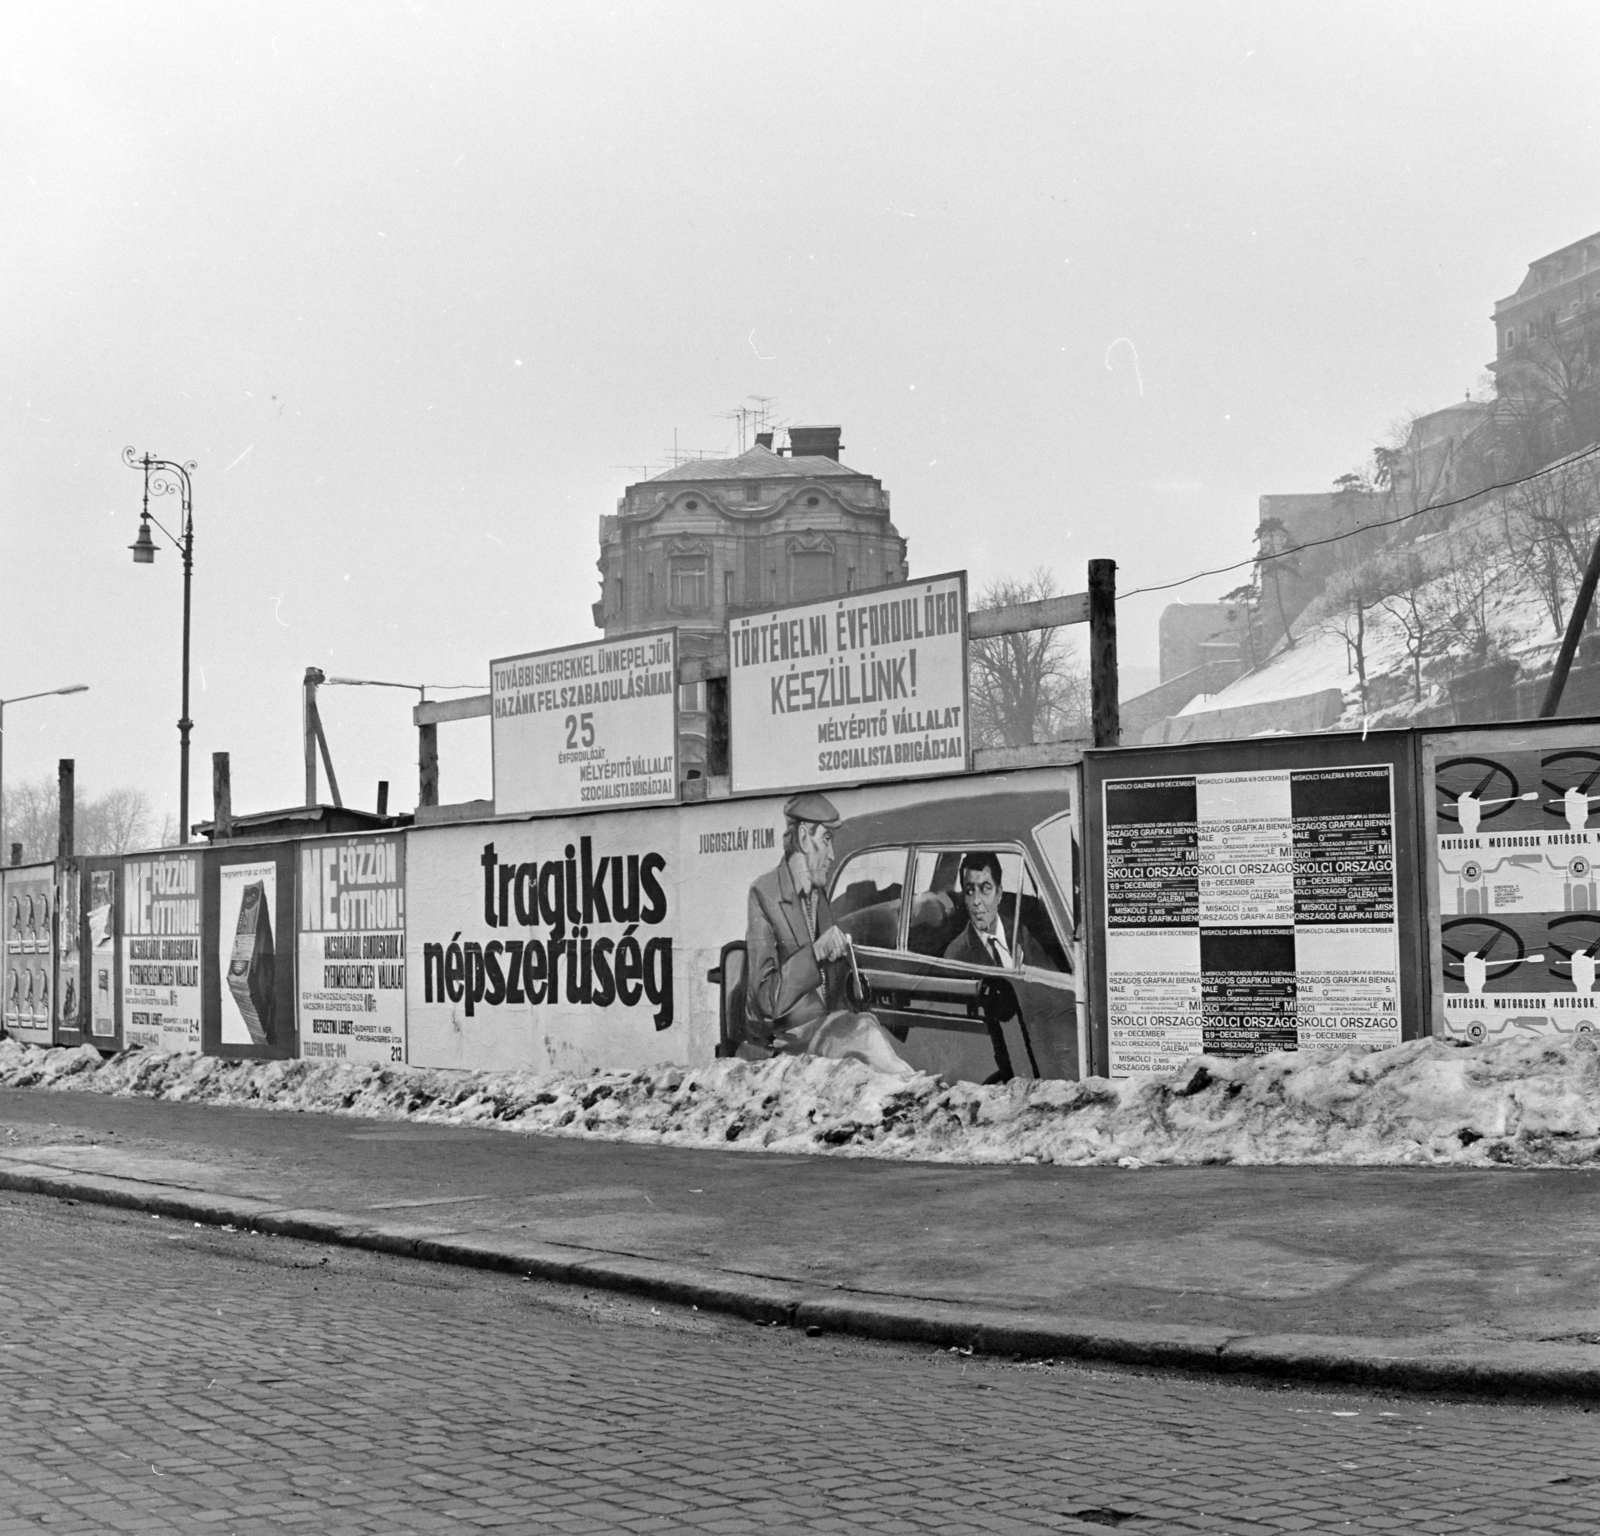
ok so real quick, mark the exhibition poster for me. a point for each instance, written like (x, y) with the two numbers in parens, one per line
(1249, 912)
(1517, 820)
(587, 727)
(29, 953)
(352, 936)
(868, 685)
(160, 920)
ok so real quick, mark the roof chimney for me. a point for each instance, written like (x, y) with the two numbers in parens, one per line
(764, 440)
(816, 442)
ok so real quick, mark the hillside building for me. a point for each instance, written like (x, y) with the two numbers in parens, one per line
(714, 539)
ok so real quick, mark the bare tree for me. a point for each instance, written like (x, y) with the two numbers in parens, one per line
(115, 822)
(1473, 571)
(1550, 523)
(1414, 605)
(1348, 603)
(1025, 687)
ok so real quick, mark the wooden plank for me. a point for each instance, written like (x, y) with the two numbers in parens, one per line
(1039, 754)
(437, 711)
(462, 810)
(1047, 613)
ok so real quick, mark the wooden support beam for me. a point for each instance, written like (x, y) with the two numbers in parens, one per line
(67, 771)
(221, 797)
(1047, 613)
(439, 711)
(1104, 708)
(427, 764)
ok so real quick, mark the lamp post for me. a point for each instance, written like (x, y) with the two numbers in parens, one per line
(166, 477)
(22, 698)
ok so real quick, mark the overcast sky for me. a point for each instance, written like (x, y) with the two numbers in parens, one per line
(422, 286)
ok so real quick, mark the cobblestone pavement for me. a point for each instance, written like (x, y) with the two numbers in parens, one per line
(155, 1376)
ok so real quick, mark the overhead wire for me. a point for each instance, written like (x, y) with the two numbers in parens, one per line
(1334, 538)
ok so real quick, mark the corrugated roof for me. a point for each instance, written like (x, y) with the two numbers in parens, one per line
(755, 464)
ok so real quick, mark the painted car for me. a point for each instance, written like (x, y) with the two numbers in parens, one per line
(971, 1021)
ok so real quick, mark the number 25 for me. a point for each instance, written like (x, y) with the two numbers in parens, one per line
(574, 722)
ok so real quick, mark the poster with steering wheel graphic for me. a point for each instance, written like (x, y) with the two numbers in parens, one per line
(1517, 889)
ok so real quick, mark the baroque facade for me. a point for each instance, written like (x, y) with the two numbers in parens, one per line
(714, 539)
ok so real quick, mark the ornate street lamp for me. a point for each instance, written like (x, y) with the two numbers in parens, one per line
(22, 698)
(166, 477)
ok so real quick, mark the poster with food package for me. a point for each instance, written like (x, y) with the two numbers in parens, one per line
(159, 916)
(1516, 827)
(250, 953)
(351, 930)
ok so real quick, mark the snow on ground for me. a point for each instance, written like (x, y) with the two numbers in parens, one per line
(1526, 1103)
(1317, 661)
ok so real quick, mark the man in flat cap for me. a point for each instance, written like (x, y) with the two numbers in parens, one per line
(796, 957)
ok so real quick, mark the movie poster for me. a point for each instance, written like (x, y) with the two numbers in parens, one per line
(1249, 912)
(160, 920)
(352, 937)
(29, 980)
(622, 940)
(1517, 821)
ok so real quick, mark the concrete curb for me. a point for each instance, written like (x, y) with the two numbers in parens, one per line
(1509, 1370)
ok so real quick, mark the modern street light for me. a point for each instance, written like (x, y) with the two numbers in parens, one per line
(22, 698)
(166, 477)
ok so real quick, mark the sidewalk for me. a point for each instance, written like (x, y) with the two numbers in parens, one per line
(1443, 1279)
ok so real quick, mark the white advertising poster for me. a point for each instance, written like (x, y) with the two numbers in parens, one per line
(161, 951)
(29, 953)
(352, 936)
(102, 952)
(575, 942)
(870, 685)
(247, 952)
(587, 727)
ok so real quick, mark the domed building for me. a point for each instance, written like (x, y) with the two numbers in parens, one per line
(713, 539)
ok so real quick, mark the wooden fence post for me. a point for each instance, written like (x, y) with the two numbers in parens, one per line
(1104, 706)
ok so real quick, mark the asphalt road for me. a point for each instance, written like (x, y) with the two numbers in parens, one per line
(155, 1376)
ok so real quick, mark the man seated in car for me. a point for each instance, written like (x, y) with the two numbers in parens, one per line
(797, 958)
(991, 911)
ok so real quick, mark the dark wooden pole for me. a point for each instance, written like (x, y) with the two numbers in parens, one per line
(67, 796)
(716, 726)
(1104, 706)
(427, 765)
(221, 797)
(1569, 642)
(313, 676)
(383, 797)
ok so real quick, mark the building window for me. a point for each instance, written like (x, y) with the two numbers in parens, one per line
(689, 698)
(692, 505)
(850, 579)
(1511, 339)
(689, 582)
(650, 591)
(727, 586)
(810, 574)
(752, 492)
(811, 501)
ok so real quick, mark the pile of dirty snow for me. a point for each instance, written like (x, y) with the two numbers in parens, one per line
(1526, 1103)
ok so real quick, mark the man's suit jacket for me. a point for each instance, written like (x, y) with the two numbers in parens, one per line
(967, 946)
(781, 970)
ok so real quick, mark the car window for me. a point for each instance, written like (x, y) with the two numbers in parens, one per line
(940, 921)
(1041, 946)
(866, 893)
(1059, 844)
